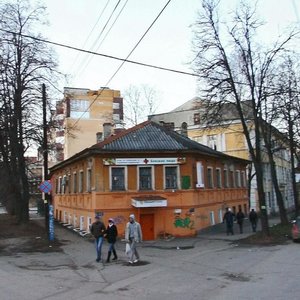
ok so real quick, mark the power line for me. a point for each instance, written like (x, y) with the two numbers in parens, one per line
(101, 54)
(91, 31)
(87, 61)
(123, 62)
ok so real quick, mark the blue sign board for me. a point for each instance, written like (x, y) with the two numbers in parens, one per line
(45, 186)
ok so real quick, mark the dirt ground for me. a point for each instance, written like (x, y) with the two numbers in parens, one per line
(25, 238)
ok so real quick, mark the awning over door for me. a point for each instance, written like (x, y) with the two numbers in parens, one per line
(149, 201)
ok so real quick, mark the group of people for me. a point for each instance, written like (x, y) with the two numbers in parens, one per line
(133, 235)
(230, 217)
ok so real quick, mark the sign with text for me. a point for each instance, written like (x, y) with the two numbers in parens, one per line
(144, 161)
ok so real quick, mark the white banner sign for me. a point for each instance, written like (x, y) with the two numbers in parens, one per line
(144, 161)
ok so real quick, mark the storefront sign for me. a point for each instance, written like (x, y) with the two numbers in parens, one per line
(144, 161)
(149, 203)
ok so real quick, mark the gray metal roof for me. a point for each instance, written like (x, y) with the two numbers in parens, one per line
(147, 137)
(150, 136)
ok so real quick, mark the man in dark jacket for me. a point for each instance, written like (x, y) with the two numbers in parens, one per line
(228, 219)
(98, 231)
(253, 219)
(240, 219)
(111, 236)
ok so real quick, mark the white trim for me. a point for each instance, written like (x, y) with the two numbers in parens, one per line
(177, 179)
(152, 177)
(199, 168)
(125, 177)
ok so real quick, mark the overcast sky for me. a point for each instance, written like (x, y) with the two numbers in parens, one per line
(167, 44)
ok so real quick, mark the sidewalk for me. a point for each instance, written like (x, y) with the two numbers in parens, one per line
(216, 232)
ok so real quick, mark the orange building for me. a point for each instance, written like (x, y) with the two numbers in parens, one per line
(172, 184)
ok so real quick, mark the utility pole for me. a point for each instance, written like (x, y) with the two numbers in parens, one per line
(47, 196)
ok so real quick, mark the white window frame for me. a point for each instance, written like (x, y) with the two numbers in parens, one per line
(211, 178)
(218, 178)
(212, 217)
(226, 178)
(89, 223)
(237, 178)
(199, 169)
(220, 215)
(125, 177)
(75, 184)
(152, 178)
(80, 181)
(65, 217)
(64, 184)
(59, 184)
(89, 180)
(81, 223)
(74, 220)
(243, 179)
(177, 179)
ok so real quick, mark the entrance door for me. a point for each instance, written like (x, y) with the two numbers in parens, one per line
(147, 224)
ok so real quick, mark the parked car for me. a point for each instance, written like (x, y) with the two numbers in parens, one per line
(296, 229)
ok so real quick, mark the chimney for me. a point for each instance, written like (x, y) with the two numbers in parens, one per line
(107, 130)
(99, 137)
(119, 127)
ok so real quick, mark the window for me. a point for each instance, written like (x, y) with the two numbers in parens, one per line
(225, 178)
(199, 168)
(116, 105)
(238, 178)
(243, 181)
(74, 183)
(210, 183)
(69, 183)
(184, 128)
(56, 186)
(65, 217)
(80, 187)
(64, 184)
(81, 224)
(218, 178)
(171, 176)
(145, 178)
(231, 179)
(220, 215)
(89, 223)
(212, 218)
(60, 185)
(196, 119)
(212, 141)
(89, 180)
(117, 178)
(79, 109)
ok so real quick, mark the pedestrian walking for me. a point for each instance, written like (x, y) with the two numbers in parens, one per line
(240, 219)
(228, 219)
(111, 236)
(253, 219)
(133, 235)
(98, 231)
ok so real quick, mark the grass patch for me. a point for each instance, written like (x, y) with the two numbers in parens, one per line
(279, 235)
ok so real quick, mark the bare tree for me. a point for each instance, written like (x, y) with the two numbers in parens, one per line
(287, 103)
(26, 63)
(139, 102)
(234, 68)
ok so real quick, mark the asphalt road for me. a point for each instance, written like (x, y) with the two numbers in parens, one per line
(211, 266)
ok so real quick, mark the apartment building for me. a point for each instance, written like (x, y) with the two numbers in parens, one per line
(79, 118)
(228, 138)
